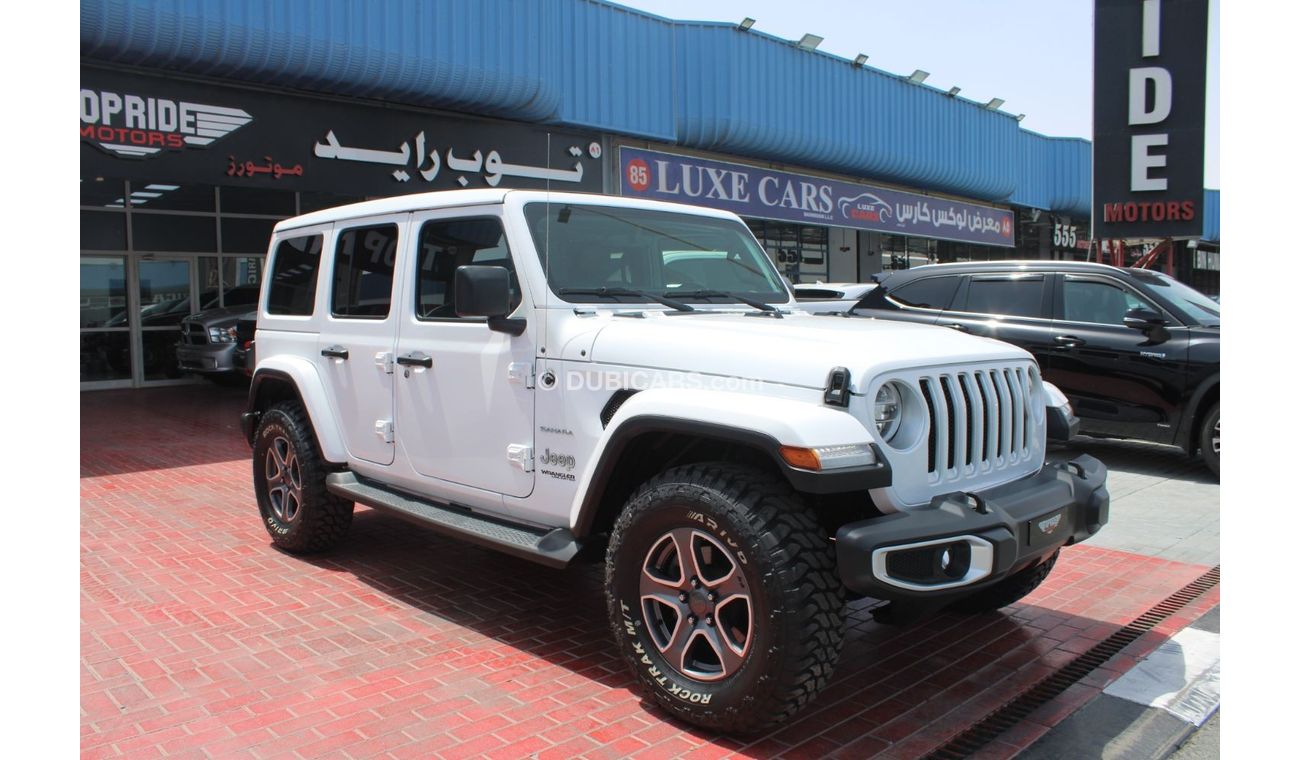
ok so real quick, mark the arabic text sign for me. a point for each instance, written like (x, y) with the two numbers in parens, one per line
(783, 196)
(141, 127)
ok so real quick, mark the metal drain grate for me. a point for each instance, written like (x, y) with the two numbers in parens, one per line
(1008, 715)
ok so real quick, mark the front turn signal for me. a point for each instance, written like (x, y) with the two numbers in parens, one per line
(821, 458)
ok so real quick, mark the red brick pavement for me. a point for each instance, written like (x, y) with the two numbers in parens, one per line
(199, 639)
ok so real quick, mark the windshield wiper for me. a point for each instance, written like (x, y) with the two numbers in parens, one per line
(766, 307)
(615, 292)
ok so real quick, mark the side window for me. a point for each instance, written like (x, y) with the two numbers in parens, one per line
(293, 276)
(1006, 296)
(928, 293)
(363, 272)
(1098, 302)
(451, 243)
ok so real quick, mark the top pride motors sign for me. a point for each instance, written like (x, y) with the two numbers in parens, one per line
(1149, 118)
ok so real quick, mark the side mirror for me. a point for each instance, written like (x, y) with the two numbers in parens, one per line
(484, 291)
(1143, 319)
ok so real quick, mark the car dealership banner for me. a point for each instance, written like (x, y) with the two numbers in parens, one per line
(783, 196)
(1149, 118)
(149, 128)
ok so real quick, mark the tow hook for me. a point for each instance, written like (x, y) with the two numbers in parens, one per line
(1073, 467)
(978, 503)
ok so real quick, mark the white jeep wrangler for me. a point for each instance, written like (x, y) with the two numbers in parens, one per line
(543, 373)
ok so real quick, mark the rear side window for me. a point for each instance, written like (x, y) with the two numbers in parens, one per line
(928, 293)
(451, 243)
(1006, 296)
(293, 276)
(363, 272)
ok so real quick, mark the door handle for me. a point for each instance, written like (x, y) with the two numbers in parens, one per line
(956, 326)
(1069, 341)
(335, 352)
(415, 360)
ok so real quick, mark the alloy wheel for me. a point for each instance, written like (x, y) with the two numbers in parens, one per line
(697, 604)
(283, 480)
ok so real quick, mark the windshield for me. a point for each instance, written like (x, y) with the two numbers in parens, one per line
(591, 247)
(1196, 304)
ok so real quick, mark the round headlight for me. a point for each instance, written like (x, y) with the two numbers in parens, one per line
(887, 410)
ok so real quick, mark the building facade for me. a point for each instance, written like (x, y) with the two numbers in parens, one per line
(202, 124)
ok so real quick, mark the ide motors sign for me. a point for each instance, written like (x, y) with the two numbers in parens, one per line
(1149, 118)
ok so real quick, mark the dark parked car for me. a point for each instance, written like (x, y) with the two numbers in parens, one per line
(210, 345)
(1135, 351)
(245, 331)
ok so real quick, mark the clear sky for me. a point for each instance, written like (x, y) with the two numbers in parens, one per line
(1034, 54)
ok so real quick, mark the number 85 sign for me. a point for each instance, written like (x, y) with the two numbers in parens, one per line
(638, 175)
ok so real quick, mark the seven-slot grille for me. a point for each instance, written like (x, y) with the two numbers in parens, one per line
(979, 419)
(194, 334)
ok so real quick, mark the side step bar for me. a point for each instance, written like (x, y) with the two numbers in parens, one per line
(553, 548)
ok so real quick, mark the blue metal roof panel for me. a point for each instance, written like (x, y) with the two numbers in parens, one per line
(751, 94)
(1211, 215)
(1054, 173)
(595, 65)
(490, 57)
(616, 68)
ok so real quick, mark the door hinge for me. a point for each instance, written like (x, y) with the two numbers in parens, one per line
(384, 429)
(521, 456)
(384, 359)
(522, 372)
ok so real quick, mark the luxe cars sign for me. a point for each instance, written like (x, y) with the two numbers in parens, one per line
(783, 196)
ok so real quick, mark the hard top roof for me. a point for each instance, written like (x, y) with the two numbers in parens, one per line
(441, 199)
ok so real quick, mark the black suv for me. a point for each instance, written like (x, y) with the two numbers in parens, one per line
(1136, 351)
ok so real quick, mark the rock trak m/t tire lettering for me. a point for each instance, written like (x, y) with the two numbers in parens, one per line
(750, 537)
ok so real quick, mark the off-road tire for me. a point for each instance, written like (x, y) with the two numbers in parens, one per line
(787, 564)
(1208, 433)
(1008, 590)
(319, 519)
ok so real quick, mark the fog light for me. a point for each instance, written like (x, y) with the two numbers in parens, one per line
(945, 559)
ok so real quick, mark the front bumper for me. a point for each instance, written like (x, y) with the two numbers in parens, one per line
(211, 358)
(961, 542)
(1062, 425)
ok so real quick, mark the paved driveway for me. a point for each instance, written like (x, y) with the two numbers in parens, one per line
(199, 639)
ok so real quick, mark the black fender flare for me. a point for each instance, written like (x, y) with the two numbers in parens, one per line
(249, 419)
(851, 479)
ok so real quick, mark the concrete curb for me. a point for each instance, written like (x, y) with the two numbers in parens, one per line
(1143, 713)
